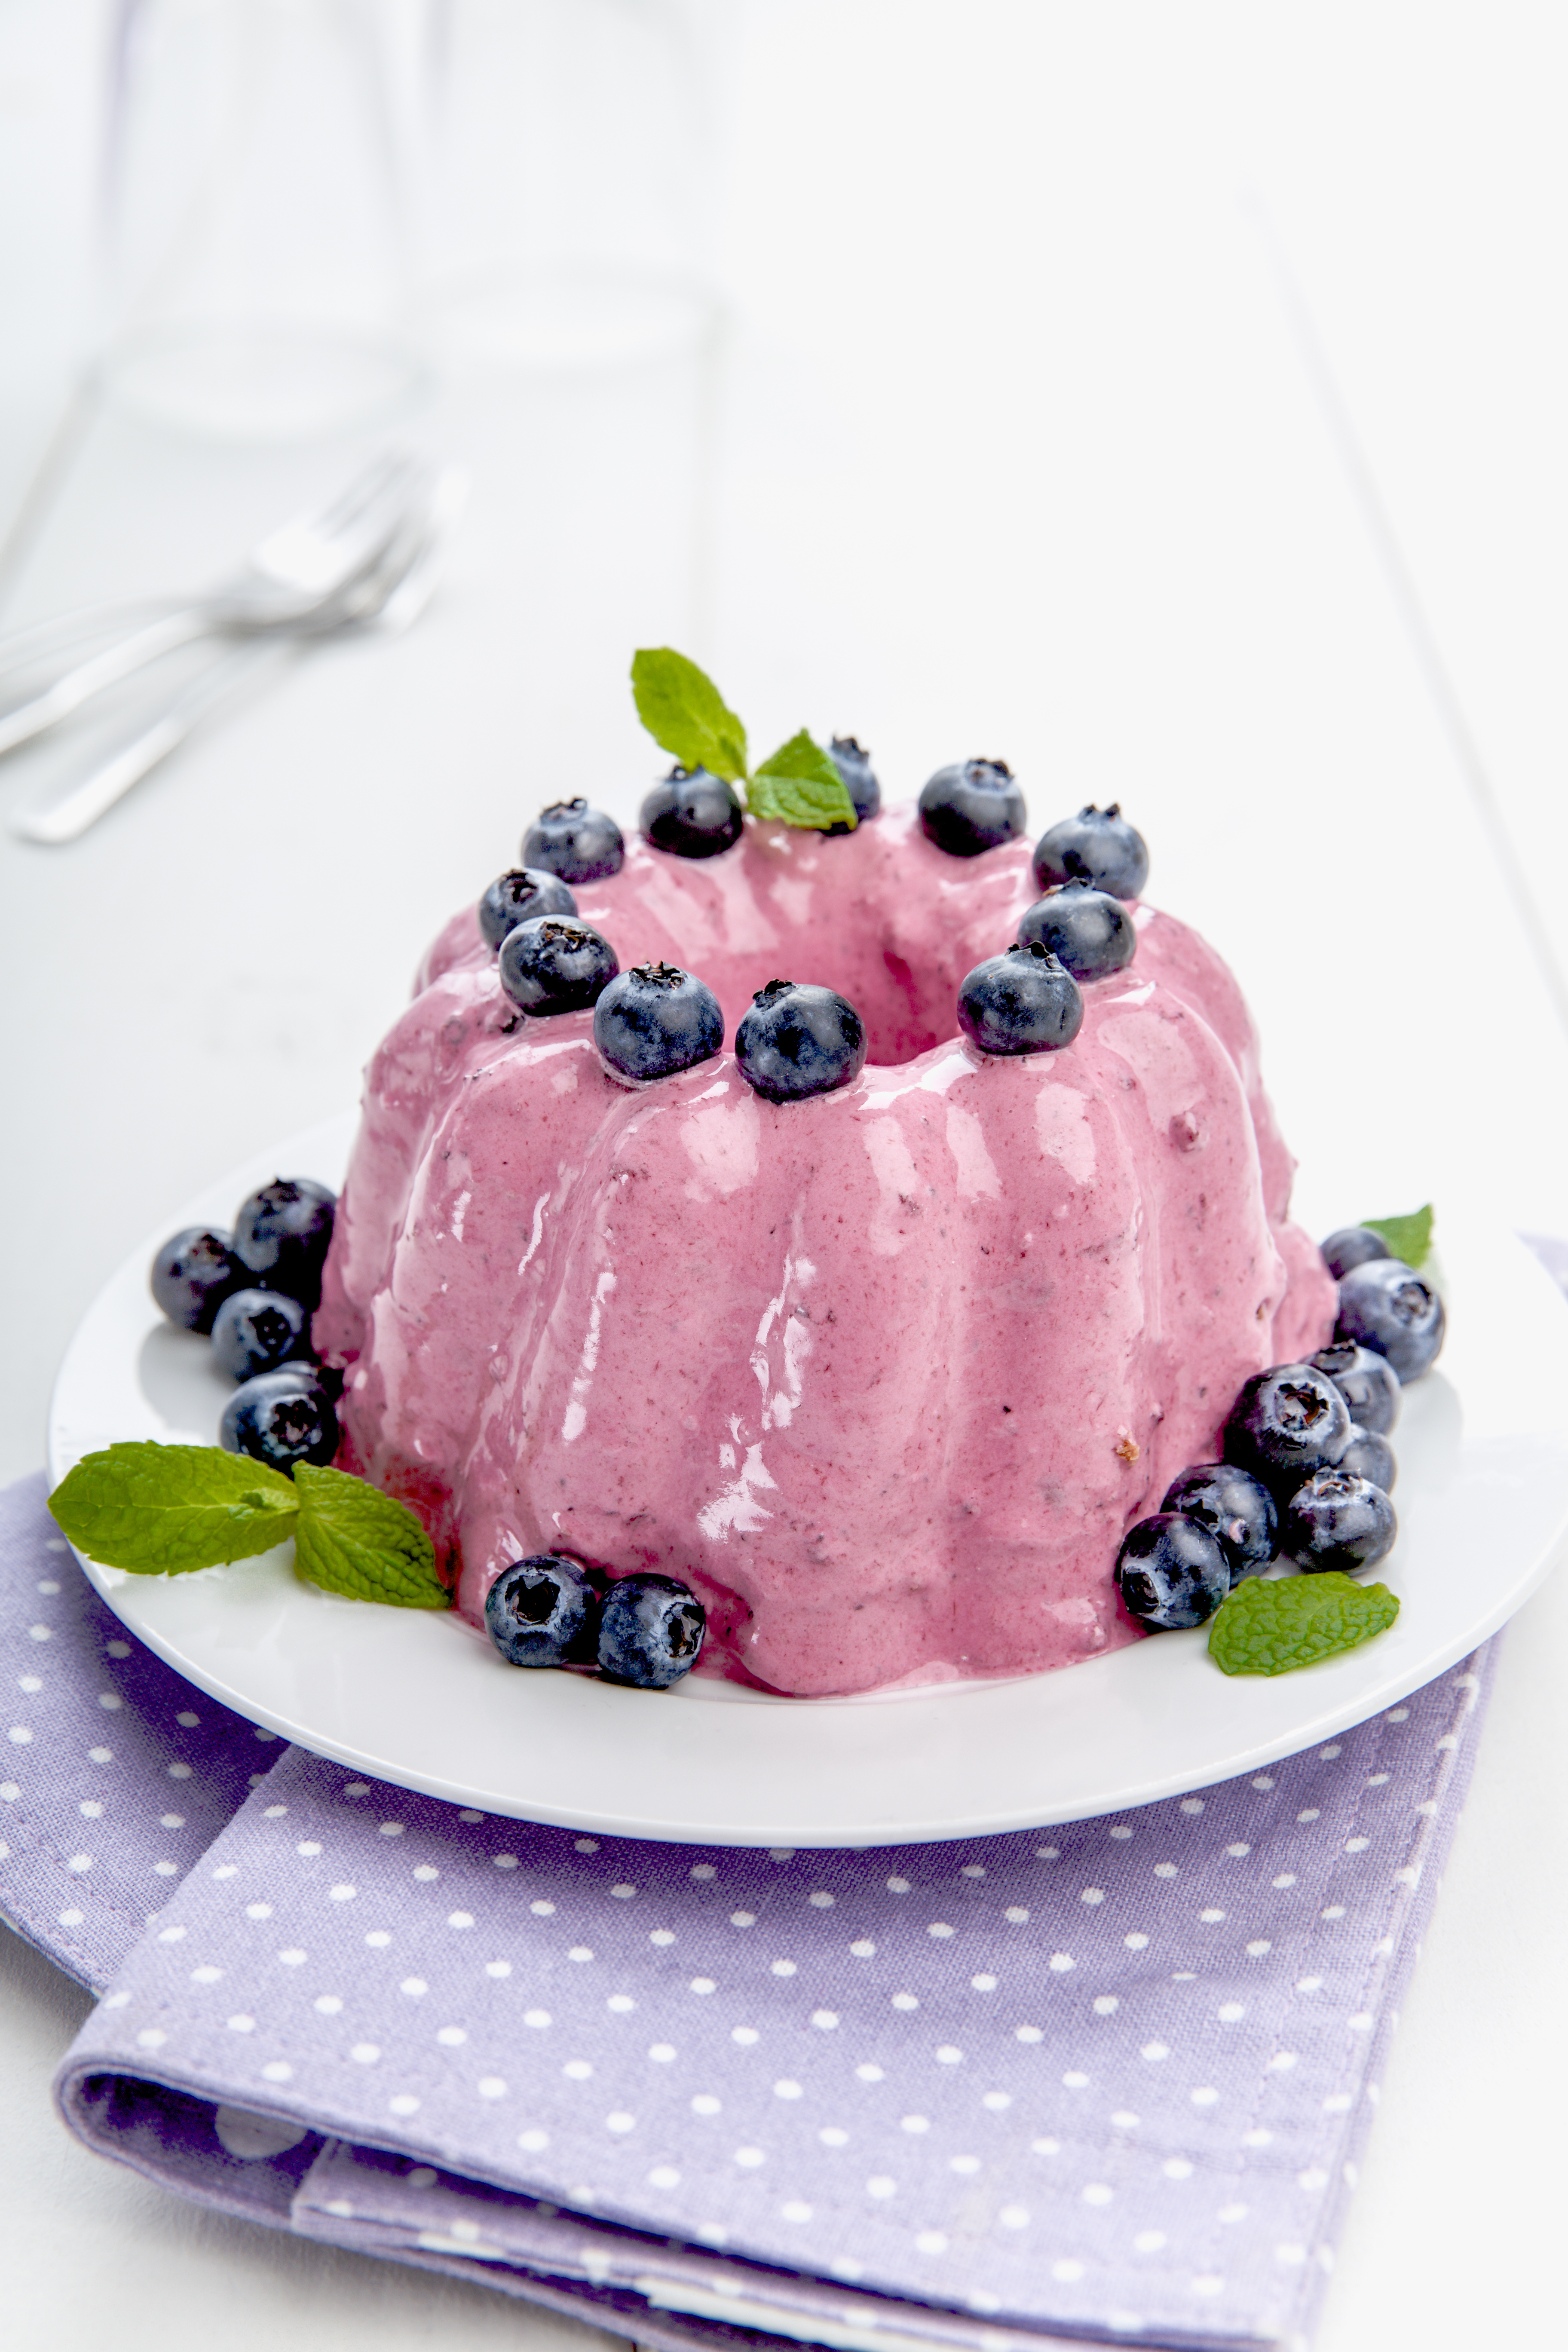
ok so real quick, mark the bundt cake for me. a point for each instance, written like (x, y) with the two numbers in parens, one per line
(883, 1375)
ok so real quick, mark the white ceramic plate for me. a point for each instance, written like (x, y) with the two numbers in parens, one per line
(425, 1702)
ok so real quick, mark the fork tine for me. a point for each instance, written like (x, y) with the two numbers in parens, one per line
(359, 518)
(372, 489)
(355, 495)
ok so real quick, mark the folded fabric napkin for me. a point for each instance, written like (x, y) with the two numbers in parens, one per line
(1110, 2079)
(121, 1775)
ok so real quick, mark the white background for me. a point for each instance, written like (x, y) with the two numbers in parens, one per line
(1007, 445)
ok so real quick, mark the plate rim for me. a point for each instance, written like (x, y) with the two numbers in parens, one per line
(1370, 1696)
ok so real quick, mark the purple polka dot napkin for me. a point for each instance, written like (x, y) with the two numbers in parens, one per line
(1102, 2081)
(115, 1776)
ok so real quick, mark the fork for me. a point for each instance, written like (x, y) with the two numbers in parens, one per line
(290, 576)
(386, 599)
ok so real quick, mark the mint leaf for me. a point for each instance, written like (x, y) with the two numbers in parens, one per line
(1272, 1628)
(1407, 1237)
(683, 710)
(162, 1510)
(353, 1540)
(801, 785)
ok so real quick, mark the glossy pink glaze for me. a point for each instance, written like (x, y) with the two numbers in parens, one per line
(885, 1375)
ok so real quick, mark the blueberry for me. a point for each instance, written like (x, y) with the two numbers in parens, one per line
(257, 1330)
(799, 1040)
(657, 1019)
(855, 766)
(1369, 1455)
(544, 1612)
(691, 813)
(1237, 1509)
(517, 897)
(282, 1234)
(1024, 1001)
(556, 963)
(1097, 846)
(281, 1418)
(1090, 930)
(1338, 1520)
(1287, 1423)
(1367, 1382)
(194, 1273)
(1385, 1305)
(1171, 1571)
(971, 806)
(576, 841)
(650, 1631)
(1352, 1246)
(325, 1377)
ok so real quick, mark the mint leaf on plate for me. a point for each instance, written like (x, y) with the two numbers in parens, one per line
(162, 1510)
(353, 1540)
(1409, 1238)
(1270, 1628)
(800, 784)
(683, 710)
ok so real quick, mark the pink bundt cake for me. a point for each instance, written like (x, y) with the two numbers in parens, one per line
(883, 1375)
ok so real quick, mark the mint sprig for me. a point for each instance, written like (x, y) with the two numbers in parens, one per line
(683, 710)
(685, 713)
(167, 1510)
(1273, 1627)
(164, 1510)
(801, 785)
(353, 1540)
(1408, 1237)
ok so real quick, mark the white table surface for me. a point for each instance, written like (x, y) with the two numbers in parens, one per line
(1006, 447)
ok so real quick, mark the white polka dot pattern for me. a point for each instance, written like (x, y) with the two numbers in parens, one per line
(1120, 2077)
(1089, 2112)
(100, 1729)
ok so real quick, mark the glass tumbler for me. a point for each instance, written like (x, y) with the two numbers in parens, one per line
(255, 195)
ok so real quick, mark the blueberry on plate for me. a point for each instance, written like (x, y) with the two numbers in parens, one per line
(972, 807)
(1099, 846)
(650, 1631)
(577, 842)
(281, 1418)
(1353, 1245)
(194, 1273)
(690, 814)
(1369, 1455)
(654, 1020)
(1335, 1519)
(516, 896)
(1024, 1002)
(1235, 1507)
(282, 1234)
(544, 1612)
(1090, 930)
(556, 963)
(1385, 1305)
(1286, 1422)
(799, 1040)
(1170, 1572)
(1367, 1382)
(855, 766)
(257, 1330)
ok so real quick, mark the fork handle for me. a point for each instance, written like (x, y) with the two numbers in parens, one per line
(68, 816)
(122, 659)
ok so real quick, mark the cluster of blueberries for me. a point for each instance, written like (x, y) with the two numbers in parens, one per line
(551, 1611)
(798, 1040)
(1308, 1467)
(252, 1292)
